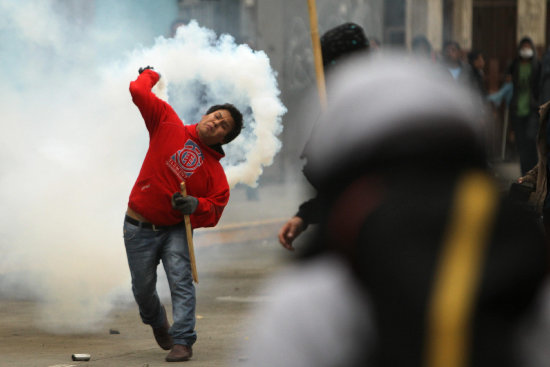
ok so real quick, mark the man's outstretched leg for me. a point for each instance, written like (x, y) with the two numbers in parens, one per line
(175, 258)
(142, 248)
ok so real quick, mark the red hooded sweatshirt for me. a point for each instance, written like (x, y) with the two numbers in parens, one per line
(175, 154)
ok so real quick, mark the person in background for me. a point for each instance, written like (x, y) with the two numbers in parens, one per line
(337, 44)
(421, 47)
(417, 260)
(545, 77)
(524, 73)
(452, 61)
(537, 177)
(477, 65)
(375, 44)
(175, 25)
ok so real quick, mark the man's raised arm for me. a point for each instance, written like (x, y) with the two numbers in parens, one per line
(151, 107)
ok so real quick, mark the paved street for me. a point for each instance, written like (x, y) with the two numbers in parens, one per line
(231, 269)
(230, 277)
(233, 259)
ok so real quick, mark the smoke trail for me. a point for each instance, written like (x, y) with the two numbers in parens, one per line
(201, 70)
(72, 143)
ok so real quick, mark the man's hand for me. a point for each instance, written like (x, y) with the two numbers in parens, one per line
(526, 180)
(141, 70)
(186, 205)
(289, 231)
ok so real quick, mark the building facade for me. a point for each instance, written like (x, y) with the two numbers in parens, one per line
(282, 30)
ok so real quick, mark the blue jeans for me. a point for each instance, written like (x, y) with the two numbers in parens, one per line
(145, 248)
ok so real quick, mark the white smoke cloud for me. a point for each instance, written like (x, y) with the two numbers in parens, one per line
(72, 143)
(206, 70)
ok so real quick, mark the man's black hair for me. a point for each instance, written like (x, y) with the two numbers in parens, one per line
(452, 43)
(342, 41)
(421, 41)
(472, 56)
(237, 117)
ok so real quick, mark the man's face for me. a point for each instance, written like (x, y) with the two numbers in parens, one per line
(452, 54)
(526, 45)
(213, 128)
(479, 62)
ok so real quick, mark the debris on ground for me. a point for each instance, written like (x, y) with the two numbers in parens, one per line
(81, 357)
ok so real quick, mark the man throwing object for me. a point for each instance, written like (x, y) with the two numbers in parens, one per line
(154, 229)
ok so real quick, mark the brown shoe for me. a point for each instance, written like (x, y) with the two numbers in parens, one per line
(162, 337)
(179, 353)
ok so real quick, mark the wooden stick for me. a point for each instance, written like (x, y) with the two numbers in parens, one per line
(317, 55)
(189, 238)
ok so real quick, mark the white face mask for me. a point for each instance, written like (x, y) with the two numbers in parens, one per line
(526, 53)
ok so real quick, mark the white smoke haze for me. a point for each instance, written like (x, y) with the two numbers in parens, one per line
(72, 144)
(207, 70)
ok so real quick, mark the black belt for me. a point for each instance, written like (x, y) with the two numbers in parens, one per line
(147, 225)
